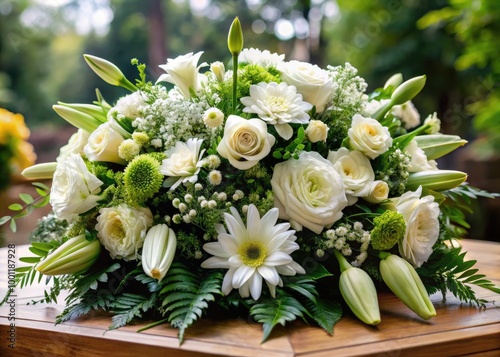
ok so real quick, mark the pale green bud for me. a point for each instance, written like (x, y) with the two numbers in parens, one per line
(158, 251)
(109, 72)
(235, 38)
(40, 171)
(358, 291)
(405, 283)
(436, 180)
(77, 118)
(90, 109)
(395, 80)
(438, 145)
(74, 256)
(408, 90)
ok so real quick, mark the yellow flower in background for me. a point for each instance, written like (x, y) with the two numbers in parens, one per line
(16, 153)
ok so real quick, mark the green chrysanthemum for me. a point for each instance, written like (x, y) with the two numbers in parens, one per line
(142, 178)
(389, 229)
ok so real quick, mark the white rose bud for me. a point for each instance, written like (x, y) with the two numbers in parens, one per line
(218, 70)
(379, 191)
(317, 131)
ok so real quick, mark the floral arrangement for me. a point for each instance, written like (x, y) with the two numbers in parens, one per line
(271, 188)
(16, 153)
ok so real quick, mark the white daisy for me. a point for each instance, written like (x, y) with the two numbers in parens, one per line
(277, 104)
(260, 250)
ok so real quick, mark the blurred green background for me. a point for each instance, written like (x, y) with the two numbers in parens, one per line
(456, 43)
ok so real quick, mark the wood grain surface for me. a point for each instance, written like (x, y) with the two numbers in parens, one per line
(457, 330)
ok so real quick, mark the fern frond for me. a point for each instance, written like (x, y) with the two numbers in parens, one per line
(271, 312)
(129, 306)
(326, 313)
(185, 295)
(93, 300)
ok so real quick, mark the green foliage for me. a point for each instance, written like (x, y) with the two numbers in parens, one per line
(185, 295)
(128, 306)
(326, 312)
(30, 205)
(271, 312)
(26, 275)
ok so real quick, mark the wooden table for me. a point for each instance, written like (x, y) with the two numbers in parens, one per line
(457, 330)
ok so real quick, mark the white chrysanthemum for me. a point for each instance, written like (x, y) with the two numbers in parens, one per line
(213, 117)
(130, 104)
(260, 250)
(264, 58)
(279, 105)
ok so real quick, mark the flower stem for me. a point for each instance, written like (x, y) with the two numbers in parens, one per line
(235, 80)
(344, 264)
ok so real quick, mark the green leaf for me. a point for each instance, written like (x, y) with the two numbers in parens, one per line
(185, 295)
(26, 198)
(129, 306)
(326, 313)
(39, 252)
(4, 219)
(15, 207)
(29, 260)
(271, 312)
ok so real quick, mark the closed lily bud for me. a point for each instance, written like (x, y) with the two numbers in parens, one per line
(93, 110)
(74, 256)
(436, 180)
(40, 171)
(408, 90)
(235, 38)
(158, 251)
(438, 145)
(77, 118)
(358, 291)
(405, 283)
(395, 80)
(109, 72)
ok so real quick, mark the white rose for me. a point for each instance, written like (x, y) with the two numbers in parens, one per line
(308, 192)
(317, 131)
(419, 160)
(183, 71)
(245, 142)
(103, 145)
(422, 226)
(407, 113)
(369, 136)
(379, 191)
(75, 145)
(74, 189)
(311, 81)
(218, 70)
(122, 230)
(355, 170)
(183, 163)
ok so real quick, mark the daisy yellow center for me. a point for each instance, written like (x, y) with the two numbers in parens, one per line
(253, 253)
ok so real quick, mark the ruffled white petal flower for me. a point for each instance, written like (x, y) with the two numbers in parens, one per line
(183, 163)
(264, 58)
(277, 104)
(259, 250)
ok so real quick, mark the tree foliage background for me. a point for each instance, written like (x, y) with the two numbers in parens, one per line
(454, 42)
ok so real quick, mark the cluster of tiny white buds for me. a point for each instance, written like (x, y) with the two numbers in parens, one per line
(198, 186)
(204, 204)
(320, 253)
(177, 218)
(198, 255)
(244, 208)
(212, 204)
(222, 196)
(128, 149)
(192, 213)
(186, 218)
(157, 143)
(182, 207)
(201, 198)
(167, 219)
(188, 198)
(176, 202)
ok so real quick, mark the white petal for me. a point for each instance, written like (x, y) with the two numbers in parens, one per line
(234, 227)
(241, 275)
(278, 258)
(269, 274)
(214, 263)
(253, 217)
(284, 130)
(255, 283)
(244, 291)
(227, 243)
(227, 285)
(272, 289)
(214, 248)
(235, 261)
